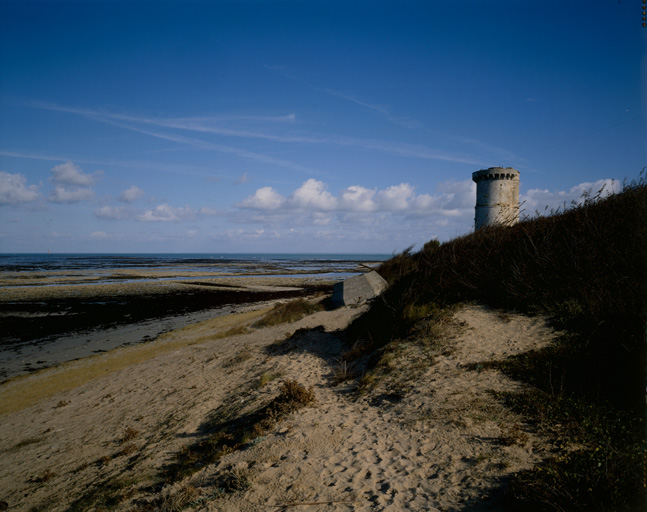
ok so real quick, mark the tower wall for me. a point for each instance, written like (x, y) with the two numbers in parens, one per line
(497, 196)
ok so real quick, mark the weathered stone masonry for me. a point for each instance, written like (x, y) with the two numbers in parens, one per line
(497, 196)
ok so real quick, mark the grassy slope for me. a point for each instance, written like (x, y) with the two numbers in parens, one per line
(586, 268)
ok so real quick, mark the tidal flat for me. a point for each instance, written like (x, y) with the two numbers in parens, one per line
(53, 316)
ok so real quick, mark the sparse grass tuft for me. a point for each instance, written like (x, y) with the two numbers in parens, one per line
(106, 496)
(289, 312)
(268, 377)
(128, 435)
(45, 477)
(128, 449)
(243, 355)
(233, 481)
(26, 442)
(179, 500)
(231, 431)
(290, 342)
(515, 436)
(342, 371)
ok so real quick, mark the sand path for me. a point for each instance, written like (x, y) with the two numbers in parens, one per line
(441, 442)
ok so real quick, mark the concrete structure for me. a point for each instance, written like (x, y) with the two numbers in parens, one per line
(497, 196)
(358, 289)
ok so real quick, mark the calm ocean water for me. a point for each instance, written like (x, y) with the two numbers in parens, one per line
(201, 262)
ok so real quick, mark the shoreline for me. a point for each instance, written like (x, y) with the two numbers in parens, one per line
(24, 390)
(44, 326)
(51, 352)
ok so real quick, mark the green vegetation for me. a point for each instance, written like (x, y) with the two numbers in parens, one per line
(585, 267)
(289, 312)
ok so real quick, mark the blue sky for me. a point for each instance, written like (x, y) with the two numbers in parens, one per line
(292, 126)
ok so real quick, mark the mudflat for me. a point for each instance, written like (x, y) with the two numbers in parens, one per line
(60, 316)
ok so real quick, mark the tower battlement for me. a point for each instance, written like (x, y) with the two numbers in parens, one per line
(497, 196)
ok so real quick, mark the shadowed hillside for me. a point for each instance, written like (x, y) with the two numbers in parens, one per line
(586, 268)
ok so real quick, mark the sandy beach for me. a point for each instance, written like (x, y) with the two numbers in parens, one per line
(99, 433)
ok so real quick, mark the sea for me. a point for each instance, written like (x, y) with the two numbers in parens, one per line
(29, 262)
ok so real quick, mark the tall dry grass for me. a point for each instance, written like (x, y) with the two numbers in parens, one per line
(586, 268)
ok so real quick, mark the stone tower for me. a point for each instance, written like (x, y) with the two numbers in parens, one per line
(497, 196)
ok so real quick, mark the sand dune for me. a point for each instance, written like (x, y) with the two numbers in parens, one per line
(429, 437)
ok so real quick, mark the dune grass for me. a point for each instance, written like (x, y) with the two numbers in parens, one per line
(229, 430)
(584, 266)
(289, 312)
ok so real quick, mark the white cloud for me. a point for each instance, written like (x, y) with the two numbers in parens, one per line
(102, 235)
(313, 194)
(360, 218)
(207, 210)
(538, 200)
(167, 213)
(395, 198)
(70, 174)
(426, 202)
(265, 198)
(72, 184)
(321, 219)
(356, 198)
(60, 194)
(161, 213)
(131, 194)
(14, 189)
(114, 213)
(458, 194)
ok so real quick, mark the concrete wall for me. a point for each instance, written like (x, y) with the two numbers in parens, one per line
(497, 196)
(358, 289)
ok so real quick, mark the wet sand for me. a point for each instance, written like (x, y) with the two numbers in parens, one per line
(45, 324)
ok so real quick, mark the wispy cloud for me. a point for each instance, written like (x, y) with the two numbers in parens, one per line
(161, 213)
(212, 146)
(403, 121)
(384, 111)
(133, 164)
(504, 155)
(198, 125)
(244, 178)
(195, 124)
